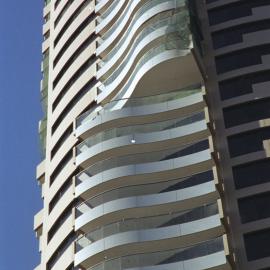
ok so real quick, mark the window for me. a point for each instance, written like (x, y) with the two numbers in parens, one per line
(84, 90)
(234, 10)
(70, 20)
(247, 112)
(61, 141)
(253, 173)
(60, 221)
(62, 12)
(61, 165)
(72, 58)
(60, 250)
(257, 244)
(57, 2)
(75, 34)
(242, 85)
(254, 207)
(234, 35)
(248, 142)
(242, 58)
(60, 193)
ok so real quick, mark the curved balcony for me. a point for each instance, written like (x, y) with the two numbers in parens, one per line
(102, 5)
(110, 15)
(171, 132)
(144, 223)
(128, 23)
(204, 255)
(110, 10)
(150, 38)
(120, 20)
(133, 130)
(147, 185)
(170, 49)
(142, 189)
(152, 27)
(135, 34)
(149, 105)
(170, 168)
(157, 234)
(150, 161)
(89, 218)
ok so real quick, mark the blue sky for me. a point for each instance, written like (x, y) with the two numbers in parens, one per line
(20, 56)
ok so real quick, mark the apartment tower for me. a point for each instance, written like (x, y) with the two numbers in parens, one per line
(155, 135)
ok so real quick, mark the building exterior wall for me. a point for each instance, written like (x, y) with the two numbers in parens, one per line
(69, 87)
(236, 40)
(131, 176)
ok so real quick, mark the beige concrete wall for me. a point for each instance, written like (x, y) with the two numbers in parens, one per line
(44, 219)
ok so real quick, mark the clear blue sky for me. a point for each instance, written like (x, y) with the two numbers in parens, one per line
(20, 56)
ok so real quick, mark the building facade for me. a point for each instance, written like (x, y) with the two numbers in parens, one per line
(236, 44)
(155, 135)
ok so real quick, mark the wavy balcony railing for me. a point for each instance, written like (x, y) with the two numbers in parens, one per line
(145, 8)
(114, 56)
(115, 25)
(175, 43)
(176, 258)
(157, 221)
(134, 131)
(137, 102)
(197, 195)
(142, 158)
(143, 189)
(108, 11)
(133, 33)
(166, 28)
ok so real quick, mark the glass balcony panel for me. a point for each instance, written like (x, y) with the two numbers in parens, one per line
(151, 222)
(163, 257)
(138, 129)
(172, 25)
(142, 158)
(136, 102)
(107, 11)
(173, 42)
(146, 189)
(146, 7)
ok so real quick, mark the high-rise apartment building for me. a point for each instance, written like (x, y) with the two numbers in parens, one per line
(155, 135)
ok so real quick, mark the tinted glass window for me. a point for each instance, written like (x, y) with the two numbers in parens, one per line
(247, 112)
(235, 10)
(60, 250)
(241, 59)
(257, 244)
(241, 85)
(251, 174)
(248, 142)
(234, 35)
(254, 207)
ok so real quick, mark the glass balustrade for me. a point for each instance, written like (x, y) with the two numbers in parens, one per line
(144, 189)
(141, 158)
(136, 102)
(167, 21)
(173, 42)
(145, 8)
(138, 129)
(108, 11)
(172, 25)
(141, 260)
(144, 223)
